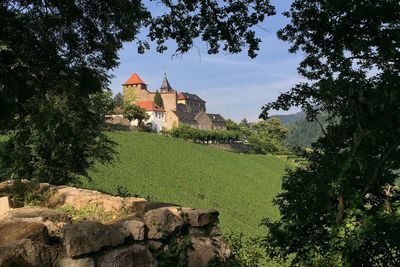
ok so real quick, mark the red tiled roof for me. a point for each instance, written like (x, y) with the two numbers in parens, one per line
(134, 79)
(149, 106)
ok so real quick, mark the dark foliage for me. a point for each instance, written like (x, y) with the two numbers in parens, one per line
(341, 208)
(118, 100)
(158, 99)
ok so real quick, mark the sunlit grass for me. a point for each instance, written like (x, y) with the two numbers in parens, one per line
(239, 186)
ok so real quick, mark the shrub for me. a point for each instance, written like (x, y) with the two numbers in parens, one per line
(200, 136)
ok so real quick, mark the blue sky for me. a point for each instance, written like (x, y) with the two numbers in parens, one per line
(233, 85)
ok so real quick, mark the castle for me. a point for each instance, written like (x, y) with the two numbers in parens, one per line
(179, 108)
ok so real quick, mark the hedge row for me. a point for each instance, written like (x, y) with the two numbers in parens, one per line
(201, 136)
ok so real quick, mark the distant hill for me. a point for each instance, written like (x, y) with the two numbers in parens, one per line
(290, 118)
(301, 132)
(239, 186)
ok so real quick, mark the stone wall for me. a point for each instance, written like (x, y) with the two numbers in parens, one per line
(169, 100)
(238, 148)
(136, 92)
(137, 233)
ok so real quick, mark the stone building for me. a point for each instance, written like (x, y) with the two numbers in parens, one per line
(180, 108)
(191, 103)
(207, 121)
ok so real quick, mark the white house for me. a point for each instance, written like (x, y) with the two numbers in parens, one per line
(156, 114)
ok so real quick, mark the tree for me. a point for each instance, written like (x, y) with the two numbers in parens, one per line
(158, 99)
(231, 125)
(118, 100)
(55, 56)
(133, 112)
(244, 123)
(268, 136)
(60, 141)
(342, 208)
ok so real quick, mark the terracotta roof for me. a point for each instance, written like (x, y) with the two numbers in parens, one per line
(134, 79)
(187, 96)
(149, 106)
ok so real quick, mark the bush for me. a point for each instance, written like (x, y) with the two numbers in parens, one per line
(246, 251)
(201, 136)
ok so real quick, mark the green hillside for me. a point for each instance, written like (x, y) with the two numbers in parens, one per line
(170, 170)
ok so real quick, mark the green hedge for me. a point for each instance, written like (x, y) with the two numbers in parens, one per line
(201, 136)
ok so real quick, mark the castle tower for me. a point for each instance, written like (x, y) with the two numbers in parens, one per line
(165, 86)
(135, 89)
(168, 95)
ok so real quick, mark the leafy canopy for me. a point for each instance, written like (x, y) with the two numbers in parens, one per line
(55, 58)
(342, 208)
(133, 112)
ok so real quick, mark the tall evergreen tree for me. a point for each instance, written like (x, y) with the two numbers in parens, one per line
(119, 100)
(158, 99)
(342, 207)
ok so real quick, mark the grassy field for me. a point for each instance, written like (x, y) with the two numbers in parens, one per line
(240, 186)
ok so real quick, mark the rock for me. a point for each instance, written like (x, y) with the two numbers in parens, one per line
(133, 228)
(25, 252)
(69, 262)
(11, 231)
(162, 222)
(81, 198)
(5, 205)
(210, 230)
(42, 187)
(36, 212)
(131, 256)
(6, 185)
(87, 237)
(52, 219)
(141, 207)
(204, 250)
(200, 217)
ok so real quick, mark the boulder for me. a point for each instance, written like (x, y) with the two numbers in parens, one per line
(5, 205)
(69, 262)
(162, 222)
(6, 185)
(52, 219)
(11, 231)
(42, 187)
(130, 256)
(26, 252)
(141, 207)
(133, 228)
(200, 217)
(210, 230)
(81, 198)
(204, 250)
(45, 214)
(87, 237)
